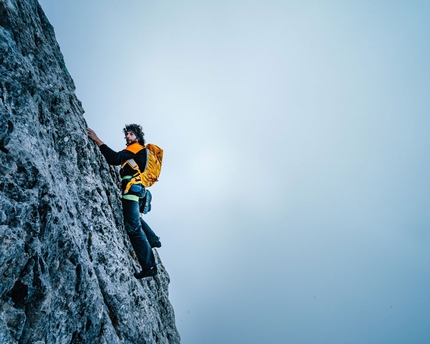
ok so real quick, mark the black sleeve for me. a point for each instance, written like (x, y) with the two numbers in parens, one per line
(115, 158)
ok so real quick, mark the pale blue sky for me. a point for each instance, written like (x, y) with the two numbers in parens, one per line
(293, 202)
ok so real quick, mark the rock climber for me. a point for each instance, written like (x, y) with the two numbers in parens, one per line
(141, 235)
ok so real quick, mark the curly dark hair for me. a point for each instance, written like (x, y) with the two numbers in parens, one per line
(137, 130)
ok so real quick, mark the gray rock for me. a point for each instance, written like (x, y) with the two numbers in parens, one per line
(66, 265)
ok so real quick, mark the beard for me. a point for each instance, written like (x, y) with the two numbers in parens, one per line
(130, 141)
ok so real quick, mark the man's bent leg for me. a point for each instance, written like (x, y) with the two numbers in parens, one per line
(154, 240)
(137, 237)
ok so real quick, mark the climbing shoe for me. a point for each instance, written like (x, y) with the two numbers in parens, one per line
(146, 273)
(156, 244)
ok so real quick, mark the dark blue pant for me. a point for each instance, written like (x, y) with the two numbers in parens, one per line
(150, 235)
(138, 239)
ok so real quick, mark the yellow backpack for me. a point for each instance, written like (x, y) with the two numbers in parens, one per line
(154, 161)
(149, 176)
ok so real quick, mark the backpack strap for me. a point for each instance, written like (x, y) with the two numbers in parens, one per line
(135, 179)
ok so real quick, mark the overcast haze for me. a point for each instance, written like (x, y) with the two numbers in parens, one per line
(293, 201)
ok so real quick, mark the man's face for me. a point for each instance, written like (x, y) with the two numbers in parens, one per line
(130, 138)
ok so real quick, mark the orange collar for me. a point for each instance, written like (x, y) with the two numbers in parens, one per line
(134, 147)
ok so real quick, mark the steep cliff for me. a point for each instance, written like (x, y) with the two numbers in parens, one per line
(66, 265)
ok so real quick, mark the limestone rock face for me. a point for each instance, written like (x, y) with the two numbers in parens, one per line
(66, 265)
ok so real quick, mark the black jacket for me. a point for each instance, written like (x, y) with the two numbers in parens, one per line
(135, 151)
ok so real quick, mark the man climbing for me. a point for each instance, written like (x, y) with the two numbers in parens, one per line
(131, 158)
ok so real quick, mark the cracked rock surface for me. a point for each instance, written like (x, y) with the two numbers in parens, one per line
(66, 265)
